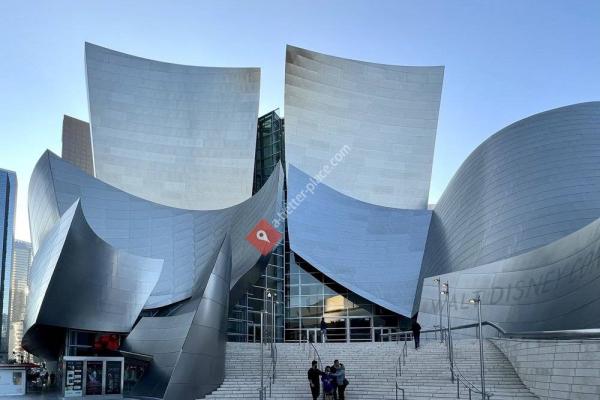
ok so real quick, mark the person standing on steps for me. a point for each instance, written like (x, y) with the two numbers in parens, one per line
(333, 372)
(328, 384)
(340, 374)
(313, 378)
(416, 331)
(323, 330)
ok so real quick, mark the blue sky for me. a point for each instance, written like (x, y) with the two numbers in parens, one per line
(504, 60)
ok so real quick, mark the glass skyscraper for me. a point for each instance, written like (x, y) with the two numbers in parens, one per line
(8, 197)
(19, 284)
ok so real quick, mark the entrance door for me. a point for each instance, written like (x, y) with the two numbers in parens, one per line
(360, 329)
(313, 335)
(254, 333)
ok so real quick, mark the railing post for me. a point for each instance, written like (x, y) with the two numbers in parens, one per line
(262, 366)
(457, 388)
(449, 338)
(439, 282)
(481, 358)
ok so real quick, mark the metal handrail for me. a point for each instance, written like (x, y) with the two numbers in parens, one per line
(560, 334)
(399, 388)
(263, 390)
(403, 354)
(460, 378)
(320, 364)
(455, 372)
(275, 355)
(402, 361)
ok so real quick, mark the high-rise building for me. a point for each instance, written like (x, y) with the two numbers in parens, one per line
(19, 287)
(8, 197)
(77, 144)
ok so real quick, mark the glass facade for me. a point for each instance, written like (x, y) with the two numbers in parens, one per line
(349, 317)
(303, 294)
(22, 257)
(8, 197)
(244, 316)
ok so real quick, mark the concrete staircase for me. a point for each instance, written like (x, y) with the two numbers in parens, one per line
(426, 374)
(371, 370)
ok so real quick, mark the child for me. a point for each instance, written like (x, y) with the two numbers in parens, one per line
(327, 380)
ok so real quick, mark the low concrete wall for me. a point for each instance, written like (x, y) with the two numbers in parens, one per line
(556, 369)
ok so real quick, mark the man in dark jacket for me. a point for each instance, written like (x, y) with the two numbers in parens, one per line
(313, 378)
(416, 331)
(323, 330)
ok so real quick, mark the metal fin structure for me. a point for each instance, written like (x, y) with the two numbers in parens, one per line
(187, 345)
(78, 281)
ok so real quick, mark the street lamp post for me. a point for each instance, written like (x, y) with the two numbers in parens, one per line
(477, 300)
(439, 283)
(446, 290)
(271, 295)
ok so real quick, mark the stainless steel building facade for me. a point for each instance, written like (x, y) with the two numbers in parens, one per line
(142, 229)
(517, 226)
(359, 140)
(146, 242)
(159, 128)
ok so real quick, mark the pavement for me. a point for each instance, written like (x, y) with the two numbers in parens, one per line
(40, 396)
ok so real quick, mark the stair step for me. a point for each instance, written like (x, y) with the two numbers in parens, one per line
(371, 370)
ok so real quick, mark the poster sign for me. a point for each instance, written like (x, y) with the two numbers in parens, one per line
(93, 381)
(73, 378)
(113, 377)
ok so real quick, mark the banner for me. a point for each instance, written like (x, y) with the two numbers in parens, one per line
(73, 378)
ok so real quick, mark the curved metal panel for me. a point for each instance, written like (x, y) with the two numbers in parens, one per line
(165, 132)
(189, 343)
(528, 185)
(554, 287)
(107, 288)
(387, 115)
(183, 239)
(374, 251)
(41, 202)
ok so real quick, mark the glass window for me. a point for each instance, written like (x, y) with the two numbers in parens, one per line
(293, 312)
(308, 278)
(312, 312)
(311, 323)
(294, 291)
(311, 301)
(312, 289)
(292, 323)
(319, 296)
(294, 279)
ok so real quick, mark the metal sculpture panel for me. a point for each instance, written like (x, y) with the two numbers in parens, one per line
(387, 115)
(165, 132)
(374, 251)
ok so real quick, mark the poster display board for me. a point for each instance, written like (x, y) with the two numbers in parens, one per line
(112, 383)
(73, 378)
(94, 377)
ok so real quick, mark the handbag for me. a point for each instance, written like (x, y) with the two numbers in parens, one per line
(346, 383)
